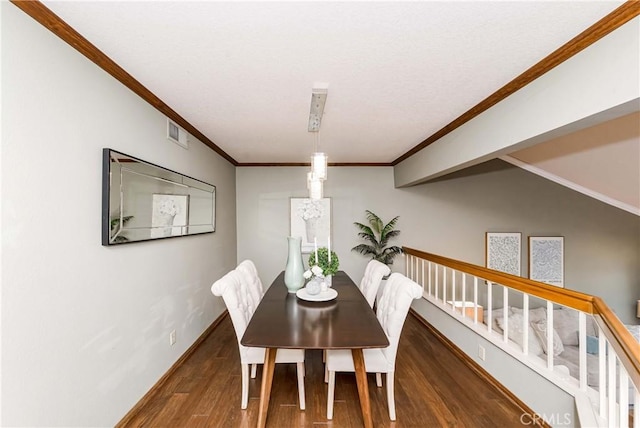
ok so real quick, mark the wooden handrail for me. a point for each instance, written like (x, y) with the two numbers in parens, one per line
(572, 299)
(625, 346)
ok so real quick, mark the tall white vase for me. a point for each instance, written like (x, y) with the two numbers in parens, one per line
(293, 278)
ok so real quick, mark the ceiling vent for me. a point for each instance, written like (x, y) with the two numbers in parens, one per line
(177, 135)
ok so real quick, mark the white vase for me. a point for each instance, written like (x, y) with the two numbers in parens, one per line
(328, 280)
(293, 278)
(314, 286)
(311, 228)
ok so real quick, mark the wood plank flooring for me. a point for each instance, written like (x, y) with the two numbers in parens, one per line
(433, 388)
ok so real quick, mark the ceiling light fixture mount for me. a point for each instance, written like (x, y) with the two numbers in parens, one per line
(318, 100)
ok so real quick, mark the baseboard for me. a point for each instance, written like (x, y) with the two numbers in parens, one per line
(147, 397)
(477, 368)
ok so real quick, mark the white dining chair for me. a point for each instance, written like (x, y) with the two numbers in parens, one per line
(392, 311)
(250, 275)
(371, 280)
(241, 306)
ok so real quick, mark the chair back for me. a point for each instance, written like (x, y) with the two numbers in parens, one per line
(238, 300)
(250, 276)
(373, 274)
(393, 307)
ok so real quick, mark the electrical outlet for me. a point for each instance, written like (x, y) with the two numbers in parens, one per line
(172, 338)
(481, 352)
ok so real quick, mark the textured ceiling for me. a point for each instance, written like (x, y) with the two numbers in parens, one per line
(242, 72)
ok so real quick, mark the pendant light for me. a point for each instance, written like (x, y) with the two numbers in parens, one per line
(318, 173)
(319, 165)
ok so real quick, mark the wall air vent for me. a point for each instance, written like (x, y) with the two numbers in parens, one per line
(177, 135)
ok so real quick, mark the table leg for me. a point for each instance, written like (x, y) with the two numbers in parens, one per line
(265, 389)
(363, 387)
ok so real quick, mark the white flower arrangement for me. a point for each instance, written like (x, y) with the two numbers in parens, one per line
(309, 209)
(314, 271)
(168, 207)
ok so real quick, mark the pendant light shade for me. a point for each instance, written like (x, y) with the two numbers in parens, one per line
(315, 188)
(319, 165)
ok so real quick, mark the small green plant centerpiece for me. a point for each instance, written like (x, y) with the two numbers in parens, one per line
(377, 234)
(329, 267)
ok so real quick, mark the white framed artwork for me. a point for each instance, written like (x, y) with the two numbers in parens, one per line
(546, 259)
(311, 220)
(503, 251)
(169, 215)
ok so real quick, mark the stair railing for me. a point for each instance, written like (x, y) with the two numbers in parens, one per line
(467, 292)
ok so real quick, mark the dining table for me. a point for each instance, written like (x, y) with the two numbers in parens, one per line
(284, 320)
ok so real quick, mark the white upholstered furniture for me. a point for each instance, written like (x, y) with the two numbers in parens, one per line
(250, 276)
(373, 274)
(393, 307)
(241, 305)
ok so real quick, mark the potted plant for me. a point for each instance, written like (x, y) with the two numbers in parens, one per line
(377, 234)
(329, 267)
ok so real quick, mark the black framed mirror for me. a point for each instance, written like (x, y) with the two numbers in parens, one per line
(142, 201)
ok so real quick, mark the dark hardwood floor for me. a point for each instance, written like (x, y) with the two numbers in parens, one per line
(433, 389)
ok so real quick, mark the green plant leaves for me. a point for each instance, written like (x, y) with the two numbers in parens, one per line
(378, 234)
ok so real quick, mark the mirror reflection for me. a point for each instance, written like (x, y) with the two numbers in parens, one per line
(142, 201)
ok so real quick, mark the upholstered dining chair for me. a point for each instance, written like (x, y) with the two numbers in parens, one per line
(250, 275)
(393, 307)
(371, 280)
(241, 306)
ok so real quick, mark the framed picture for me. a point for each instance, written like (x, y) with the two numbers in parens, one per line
(546, 259)
(502, 251)
(169, 215)
(311, 220)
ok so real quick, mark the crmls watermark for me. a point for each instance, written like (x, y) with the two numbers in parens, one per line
(553, 419)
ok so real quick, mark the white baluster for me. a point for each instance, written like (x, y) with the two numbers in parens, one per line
(602, 373)
(444, 285)
(505, 308)
(464, 294)
(582, 349)
(453, 289)
(436, 281)
(623, 404)
(489, 306)
(549, 334)
(429, 268)
(611, 385)
(525, 323)
(475, 300)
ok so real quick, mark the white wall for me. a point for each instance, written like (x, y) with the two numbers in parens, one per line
(263, 213)
(85, 327)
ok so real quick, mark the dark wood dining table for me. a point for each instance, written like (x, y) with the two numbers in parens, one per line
(282, 320)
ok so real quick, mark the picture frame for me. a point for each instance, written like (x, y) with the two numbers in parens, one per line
(503, 252)
(546, 259)
(169, 215)
(311, 219)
